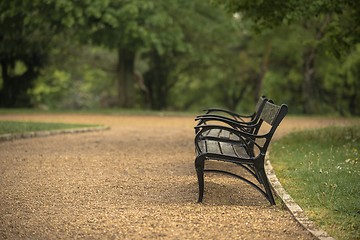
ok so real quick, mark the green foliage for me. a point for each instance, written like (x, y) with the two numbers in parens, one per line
(320, 169)
(342, 29)
(195, 56)
(184, 54)
(80, 77)
(27, 31)
(137, 24)
(49, 90)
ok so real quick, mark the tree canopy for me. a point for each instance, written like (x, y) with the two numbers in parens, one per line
(180, 55)
(340, 18)
(27, 31)
(324, 27)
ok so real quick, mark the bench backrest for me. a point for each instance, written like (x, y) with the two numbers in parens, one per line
(259, 107)
(256, 118)
(271, 114)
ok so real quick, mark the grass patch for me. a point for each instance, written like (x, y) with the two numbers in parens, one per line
(321, 170)
(108, 111)
(23, 127)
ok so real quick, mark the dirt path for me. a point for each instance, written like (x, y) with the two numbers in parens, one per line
(135, 181)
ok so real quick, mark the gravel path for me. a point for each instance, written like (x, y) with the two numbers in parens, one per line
(134, 181)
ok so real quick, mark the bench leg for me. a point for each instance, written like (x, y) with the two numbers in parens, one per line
(266, 184)
(199, 166)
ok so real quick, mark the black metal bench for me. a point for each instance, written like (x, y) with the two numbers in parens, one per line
(244, 145)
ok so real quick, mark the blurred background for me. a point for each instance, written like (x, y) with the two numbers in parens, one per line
(180, 55)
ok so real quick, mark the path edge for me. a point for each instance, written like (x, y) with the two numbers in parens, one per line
(14, 136)
(296, 211)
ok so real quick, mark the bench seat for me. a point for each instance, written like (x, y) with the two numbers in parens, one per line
(235, 149)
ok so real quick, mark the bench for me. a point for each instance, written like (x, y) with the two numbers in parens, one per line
(242, 144)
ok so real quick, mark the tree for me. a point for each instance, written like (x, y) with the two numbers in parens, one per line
(27, 31)
(342, 30)
(330, 26)
(188, 45)
(20, 44)
(123, 25)
(160, 32)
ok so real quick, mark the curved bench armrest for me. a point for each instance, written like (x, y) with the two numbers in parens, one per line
(209, 110)
(245, 126)
(234, 115)
(207, 117)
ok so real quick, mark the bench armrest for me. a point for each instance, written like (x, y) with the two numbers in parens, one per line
(238, 132)
(245, 126)
(209, 110)
(207, 117)
(236, 116)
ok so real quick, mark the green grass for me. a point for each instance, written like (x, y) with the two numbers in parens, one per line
(321, 170)
(23, 127)
(105, 111)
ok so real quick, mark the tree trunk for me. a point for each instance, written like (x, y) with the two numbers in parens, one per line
(126, 85)
(308, 87)
(263, 69)
(6, 91)
(156, 81)
(15, 87)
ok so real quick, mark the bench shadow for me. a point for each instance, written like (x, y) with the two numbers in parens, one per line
(178, 185)
(232, 193)
(227, 190)
(218, 191)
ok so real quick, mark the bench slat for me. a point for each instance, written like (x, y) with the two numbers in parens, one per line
(240, 151)
(213, 147)
(223, 148)
(227, 149)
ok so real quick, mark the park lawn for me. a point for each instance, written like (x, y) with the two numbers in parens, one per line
(320, 169)
(13, 127)
(103, 111)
